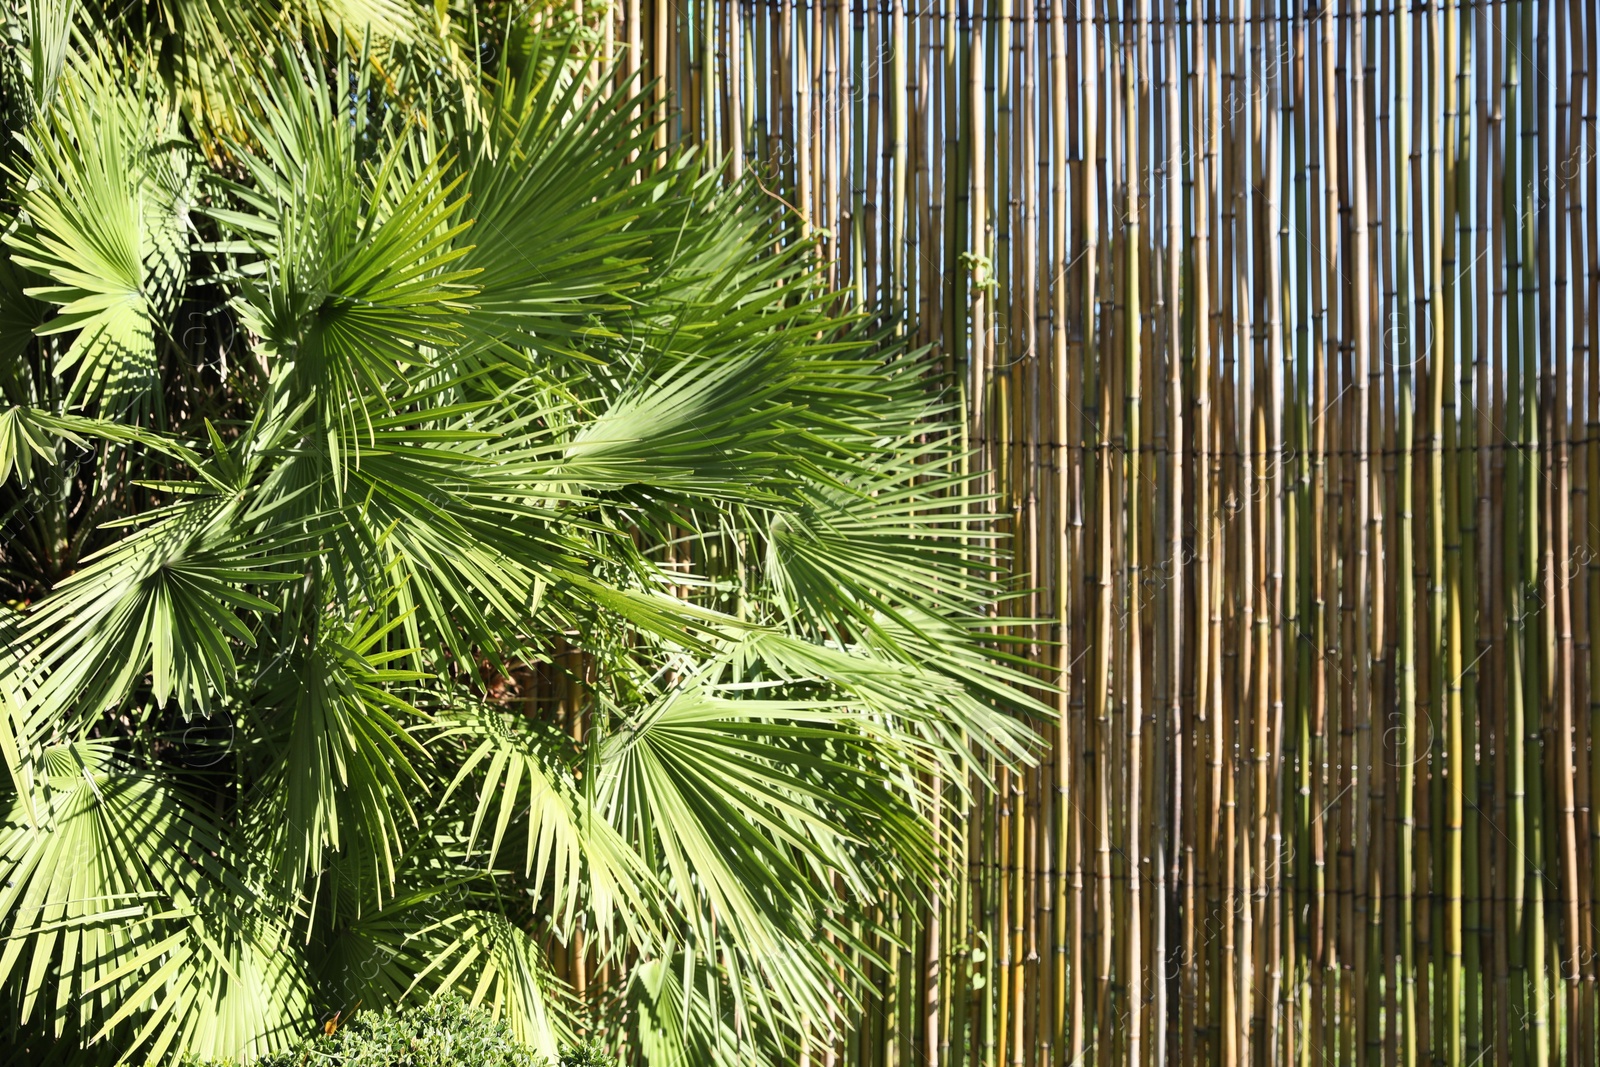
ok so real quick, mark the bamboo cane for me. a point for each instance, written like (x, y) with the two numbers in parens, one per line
(1591, 319)
(1406, 355)
(1064, 1025)
(1130, 851)
(1171, 733)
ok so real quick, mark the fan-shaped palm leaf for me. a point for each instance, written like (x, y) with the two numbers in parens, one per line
(105, 205)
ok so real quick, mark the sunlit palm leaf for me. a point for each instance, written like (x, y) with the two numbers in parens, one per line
(344, 755)
(170, 600)
(106, 204)
(350, 287)
(565, 839)
(489, 961)
(111, 903)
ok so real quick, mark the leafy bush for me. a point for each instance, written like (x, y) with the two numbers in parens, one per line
(445, 1032)
(586, 1055)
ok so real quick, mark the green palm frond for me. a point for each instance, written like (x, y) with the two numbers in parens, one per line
(342, 747)
(775, 811)
(165, 601)
(112, 890)
(20, 318)
(563, 201)
(680, 1021)
(347, 287)
(438, 940)
(569, 848)
(494, 963)
(706, 431)
(105, 206)
(23, 443)
(40, 34)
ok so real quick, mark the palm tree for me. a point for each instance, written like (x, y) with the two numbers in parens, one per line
(450, 545)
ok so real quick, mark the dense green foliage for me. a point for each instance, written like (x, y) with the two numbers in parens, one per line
(441, 1033)
(361, 390)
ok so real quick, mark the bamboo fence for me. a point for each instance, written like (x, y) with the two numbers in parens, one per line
(1276, 325)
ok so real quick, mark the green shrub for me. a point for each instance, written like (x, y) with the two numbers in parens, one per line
(442, 1033)
(586, 1055)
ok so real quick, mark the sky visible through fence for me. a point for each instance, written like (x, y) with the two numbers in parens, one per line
(1276, 327)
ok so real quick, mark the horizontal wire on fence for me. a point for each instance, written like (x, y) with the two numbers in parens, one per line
(1245, 453)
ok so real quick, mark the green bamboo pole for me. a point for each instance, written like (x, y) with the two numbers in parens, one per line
(1065, 1015)
(818, 72)
(1518, 919)
(864, 95)
(1200, 843)
(1027, 384)
(1098, 574)
(1406, 352)
(1536, 665)
(661, 69)
(953, 298)
(1078, 319)
(930, 176)
(1233, 490)
(1324, 184)
(1314, 637)
(1341, 936)
(1559, 480)
(1591, 34)
(802, 141)
(832, 128)
(1430, 569)
(1494, 472)
(730, 72)
(633, 56)
(699, 108)
(1445, 482)
(1217, 1045)
(787, 150)
(1367, 975)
